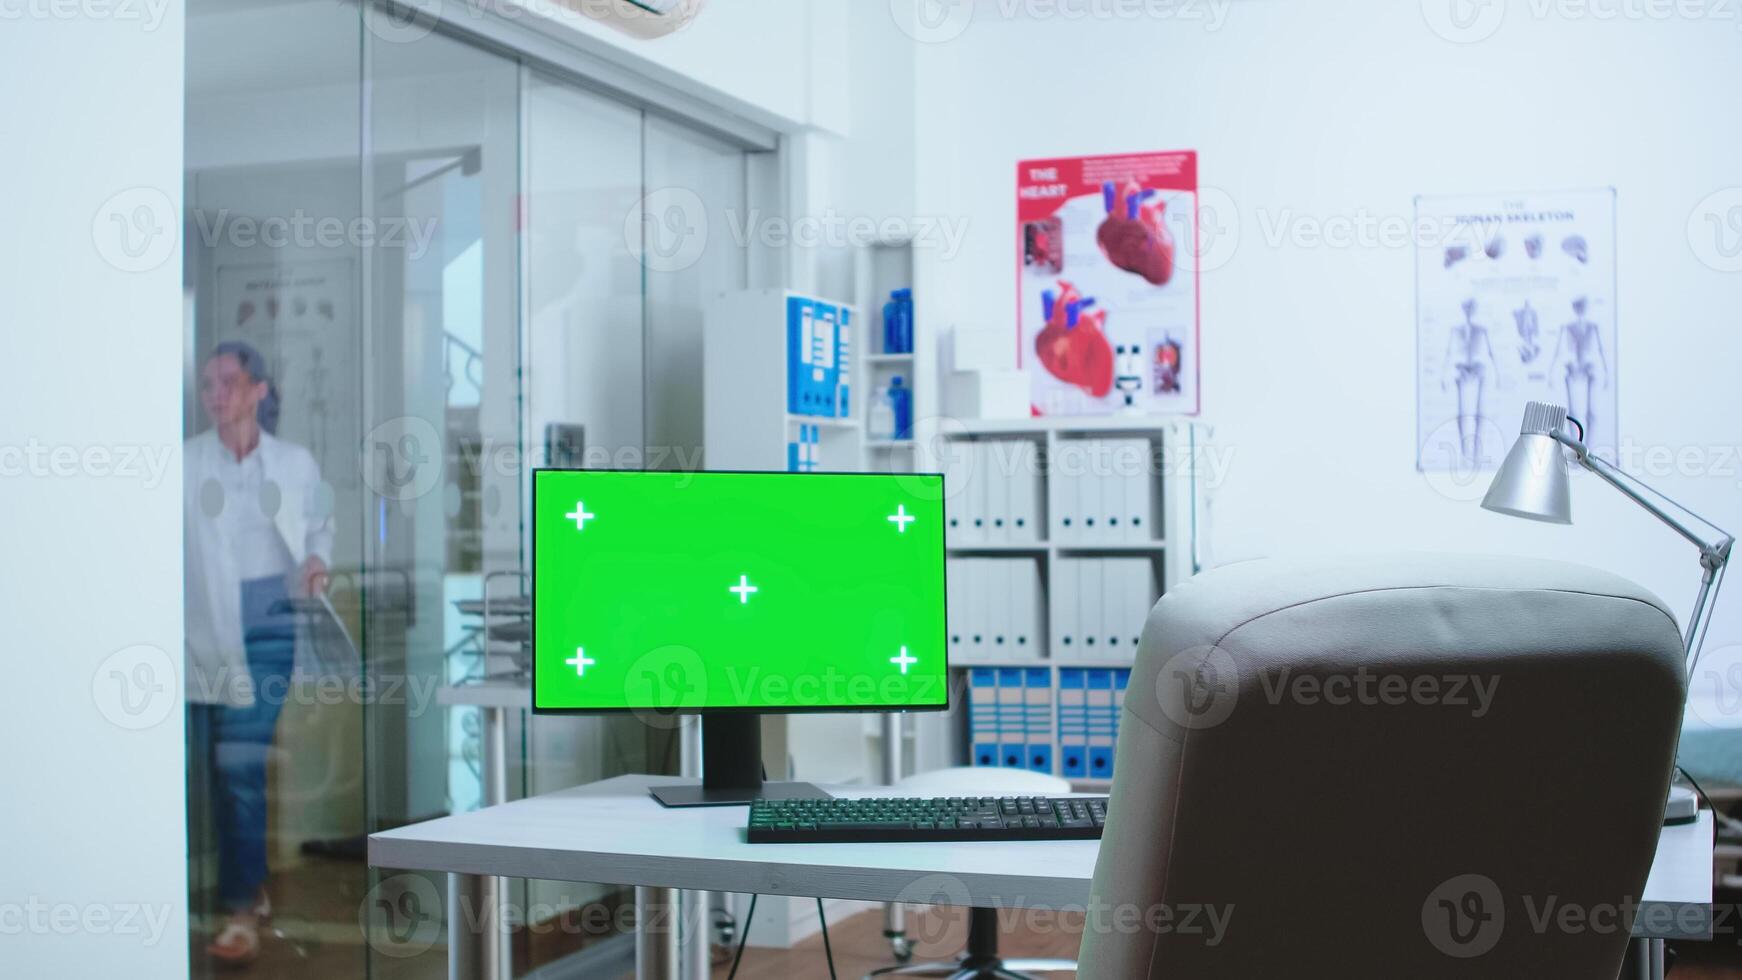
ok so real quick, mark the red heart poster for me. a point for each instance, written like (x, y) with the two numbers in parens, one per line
(1107, 292)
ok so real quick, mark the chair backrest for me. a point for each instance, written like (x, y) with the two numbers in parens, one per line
(1399, 766)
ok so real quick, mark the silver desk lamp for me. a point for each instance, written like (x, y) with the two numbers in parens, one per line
(1532, 483)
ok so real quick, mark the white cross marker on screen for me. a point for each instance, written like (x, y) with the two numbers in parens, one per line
(579, 662)
(904, 660)
(743, 588)
(580, 516)
(901, 518)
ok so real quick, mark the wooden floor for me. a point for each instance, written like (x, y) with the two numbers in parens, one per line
(316, 936)
(860, 947)
(938, 934)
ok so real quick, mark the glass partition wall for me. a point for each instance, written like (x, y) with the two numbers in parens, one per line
(414, 272)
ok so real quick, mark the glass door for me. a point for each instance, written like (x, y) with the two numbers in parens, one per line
(422, 267)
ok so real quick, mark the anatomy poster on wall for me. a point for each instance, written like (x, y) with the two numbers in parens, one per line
(1107, 286)
(300, 315)
(1515, 302)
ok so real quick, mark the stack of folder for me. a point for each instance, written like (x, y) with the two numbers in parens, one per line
(1099, 606)
(995, 492)
(1089, 704)
(993, 607)
(1103, 490)
(818, 358)
(1010, 716)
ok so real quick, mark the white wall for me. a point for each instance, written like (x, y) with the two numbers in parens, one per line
(1308, 112)
(776, 62)
(92, 877)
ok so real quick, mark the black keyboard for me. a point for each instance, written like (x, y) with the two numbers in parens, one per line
(954, 818)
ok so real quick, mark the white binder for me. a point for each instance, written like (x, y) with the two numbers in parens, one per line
(999, 641)
(975, 528)
(1093, 634)
(959, 483)
(1141, 592)
(1091, 521)
(1116, 574)
(1024, 494)
(974, 575)
(1062, 515)
(1126, 598)
(1065, 644)
(1025, 599)
(954, 608)
(996, 476)
(1127, 465)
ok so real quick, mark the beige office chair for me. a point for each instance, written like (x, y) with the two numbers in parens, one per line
(1386, 767)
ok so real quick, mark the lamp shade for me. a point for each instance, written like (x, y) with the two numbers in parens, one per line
(1532, 482)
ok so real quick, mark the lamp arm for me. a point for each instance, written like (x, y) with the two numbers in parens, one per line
(1714, 552)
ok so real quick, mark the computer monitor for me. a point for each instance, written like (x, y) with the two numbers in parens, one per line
(733, 594)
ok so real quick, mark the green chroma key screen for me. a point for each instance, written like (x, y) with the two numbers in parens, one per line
(758, 591)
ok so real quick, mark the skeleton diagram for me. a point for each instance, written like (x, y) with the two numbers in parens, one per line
(1528, 331)
(1470, 364)
(1585, 364)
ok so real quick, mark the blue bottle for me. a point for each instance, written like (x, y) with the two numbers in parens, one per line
(901, 400)
(905, 321)
(898, 322)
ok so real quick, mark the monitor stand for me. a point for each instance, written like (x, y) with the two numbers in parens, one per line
(732, 768)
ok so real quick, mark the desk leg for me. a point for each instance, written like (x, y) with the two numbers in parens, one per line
(658, 947)
(493, 894)
(698, 931)
(1644, 959)
(475, 932)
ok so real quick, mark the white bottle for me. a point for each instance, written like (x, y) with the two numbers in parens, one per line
(881, 423)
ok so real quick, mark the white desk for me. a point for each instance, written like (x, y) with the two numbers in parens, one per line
(612, 832)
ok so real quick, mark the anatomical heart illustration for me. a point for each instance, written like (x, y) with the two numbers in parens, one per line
(1133, 235)
(1107, 297)
(1073, 346)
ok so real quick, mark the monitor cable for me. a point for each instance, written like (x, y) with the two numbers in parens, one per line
(827, 950)
(743, 937)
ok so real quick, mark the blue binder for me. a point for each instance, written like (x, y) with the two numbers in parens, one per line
(1101, 721)
(1073, 723)
(983, 715)
(1012, 704)
(1037, 718)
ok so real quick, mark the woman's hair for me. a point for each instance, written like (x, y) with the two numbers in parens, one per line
(254, 363)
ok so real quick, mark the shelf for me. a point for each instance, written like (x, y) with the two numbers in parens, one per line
(889, 444)
(888, 358)
(1041, 547)
(823, 421)
(1001, 548)
(1042, 662)
(1076, 425)
(1113, 547)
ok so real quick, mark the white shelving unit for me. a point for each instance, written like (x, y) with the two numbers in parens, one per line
(1046, 451)
(878, 269)
(746, 423)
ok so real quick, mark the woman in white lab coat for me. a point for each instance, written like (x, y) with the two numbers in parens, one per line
(257, 533)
